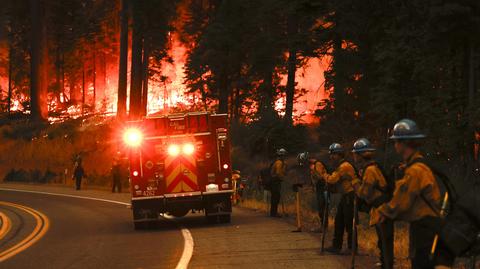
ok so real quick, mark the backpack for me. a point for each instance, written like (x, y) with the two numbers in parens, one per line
(460, 228)
(387, 192)
(266, 177)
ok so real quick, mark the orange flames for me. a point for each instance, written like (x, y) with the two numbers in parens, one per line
(167, 92)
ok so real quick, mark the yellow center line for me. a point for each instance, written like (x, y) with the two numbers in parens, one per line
(41, 227)
(6, 225)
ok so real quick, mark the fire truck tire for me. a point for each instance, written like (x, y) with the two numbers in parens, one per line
(212, 219)
(219, 219)
(225, 218)
(178, 213)
(140, 225)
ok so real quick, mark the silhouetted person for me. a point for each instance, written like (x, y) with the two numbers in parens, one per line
(78, 174)
(117, 176)
(278, 172)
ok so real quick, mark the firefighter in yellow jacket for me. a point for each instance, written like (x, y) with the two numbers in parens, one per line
(277, 172)
(416, 200)
(373, 189)
(341, 182)
(317, 171)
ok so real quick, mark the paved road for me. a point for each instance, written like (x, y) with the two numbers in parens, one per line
(86, 234)
(94, 234)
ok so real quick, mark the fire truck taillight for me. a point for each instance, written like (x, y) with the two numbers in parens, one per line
(188, 149)
(173, 150)
(225, 166)
(133, 137)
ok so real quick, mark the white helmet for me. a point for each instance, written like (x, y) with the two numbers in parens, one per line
(281, 152)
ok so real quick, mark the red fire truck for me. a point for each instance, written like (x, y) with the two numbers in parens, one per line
(178, 163)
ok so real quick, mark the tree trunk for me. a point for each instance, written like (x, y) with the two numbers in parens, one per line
(223, 95)
(136, 72)
(146, 56)
(237, 102)
(39, 64)
(471, 109)
(10, 65)
(338, 85)
(75, 94)
(290, 88)
(291, 69)
(58, 75)
(94, 79)
(267, 107)
(62, 80)
(103, 80)
(122, 71)
(83, 88)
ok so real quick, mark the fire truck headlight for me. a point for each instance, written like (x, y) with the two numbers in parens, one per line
(173, 150)
(133, 137)
(188, 149)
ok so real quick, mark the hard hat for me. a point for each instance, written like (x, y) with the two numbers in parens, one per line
(281, 152)
(303, 157)
(406, 129)
(362, 145)
(335, 148)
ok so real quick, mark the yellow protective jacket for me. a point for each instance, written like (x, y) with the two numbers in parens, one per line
(279, 170)
(417, 194)
(341, 178)
(372, 185)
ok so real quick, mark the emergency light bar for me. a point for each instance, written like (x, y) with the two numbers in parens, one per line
(133, 137)
(173, 150)
(187, 149)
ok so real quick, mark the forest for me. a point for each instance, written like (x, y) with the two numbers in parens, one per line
(380, 61)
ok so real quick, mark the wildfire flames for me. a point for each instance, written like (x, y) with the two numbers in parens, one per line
(167, 92)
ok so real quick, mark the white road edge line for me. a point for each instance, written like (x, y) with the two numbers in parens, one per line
(187, 236)
(187, 247)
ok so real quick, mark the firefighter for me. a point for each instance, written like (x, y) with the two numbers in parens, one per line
(236, 184)
(341, 179)
(374, 190)
(277, 172)
(78, 173)
(317, 170)
(416, 200)
(117, 174)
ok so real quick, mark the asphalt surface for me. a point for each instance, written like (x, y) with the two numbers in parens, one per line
(95, 234)
(87, 234)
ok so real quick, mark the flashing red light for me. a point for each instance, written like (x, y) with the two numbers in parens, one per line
(225, 166)
(173, 150)
(133, 137)
(188, 149)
